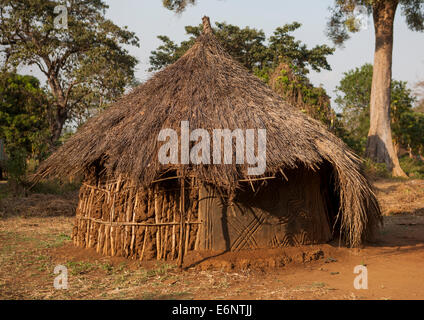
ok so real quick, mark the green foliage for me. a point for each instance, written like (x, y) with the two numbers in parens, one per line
(283, 45)
(86, 65)
(410, 130)
(23, 124)
(413, 10)
(23, 114)
(353, 97)
(245, 45)
(16, 168)
(292, 84)
(344, 19)
(420, 95)
(407, 124)
(80, 267)
(250, 47)
(414, 168)
(177, 5)
(281, 61)
(376, 170)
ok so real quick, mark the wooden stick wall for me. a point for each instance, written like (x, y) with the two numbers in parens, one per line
(117, 219)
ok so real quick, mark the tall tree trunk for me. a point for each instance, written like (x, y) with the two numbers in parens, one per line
(60, 114)
(380, 145)
(56, 125)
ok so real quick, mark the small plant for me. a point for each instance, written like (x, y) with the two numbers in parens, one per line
(108, 267)
(413, 168)
(318, 285)
(58, 240)
(376, 170)
(79, 267)
(16, 170)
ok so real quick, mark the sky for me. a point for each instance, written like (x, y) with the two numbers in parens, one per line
(148, 19)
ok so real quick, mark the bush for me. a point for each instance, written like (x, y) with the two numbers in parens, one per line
(56, 187)
(16, 168)
(376, 170)
(413, 168)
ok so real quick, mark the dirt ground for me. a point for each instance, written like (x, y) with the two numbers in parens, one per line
(32, 245)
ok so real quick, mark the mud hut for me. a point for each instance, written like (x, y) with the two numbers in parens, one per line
(132, 205)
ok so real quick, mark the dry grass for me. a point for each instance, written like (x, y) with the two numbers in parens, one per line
(29, 255)
(39, 205)
(405, 197)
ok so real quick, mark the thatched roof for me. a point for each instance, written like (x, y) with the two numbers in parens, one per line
(212, 91)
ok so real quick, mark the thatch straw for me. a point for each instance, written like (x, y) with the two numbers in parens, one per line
(212, 91)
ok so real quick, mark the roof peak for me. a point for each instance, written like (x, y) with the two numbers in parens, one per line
(207, 29)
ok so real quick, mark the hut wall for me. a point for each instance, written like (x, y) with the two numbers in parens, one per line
(117, 219)
(279, 214)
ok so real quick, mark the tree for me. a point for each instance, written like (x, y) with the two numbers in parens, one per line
(354, 98)
(249, 47)
(23, 114)
(177, 5)
(420, 94)
(292, 83)
(379, 145)
(85, 63)
(412, 133)
(245, 45)
(281, 61)
(23, 121)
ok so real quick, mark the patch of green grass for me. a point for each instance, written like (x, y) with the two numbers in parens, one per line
(18, 237)
(80, 267)
(121, 267)
(121, 279)
(318, 285)
(43, 262)
(162, 270)
(7, 249)
(108, 267)
(56, 241)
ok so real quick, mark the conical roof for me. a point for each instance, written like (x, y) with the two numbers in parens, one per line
(208, 88)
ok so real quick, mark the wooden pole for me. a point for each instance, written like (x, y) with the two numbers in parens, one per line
(168, 218)
(182, 214)
(189, 213)
(156, 208)
(173, 228)
(144, 243)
